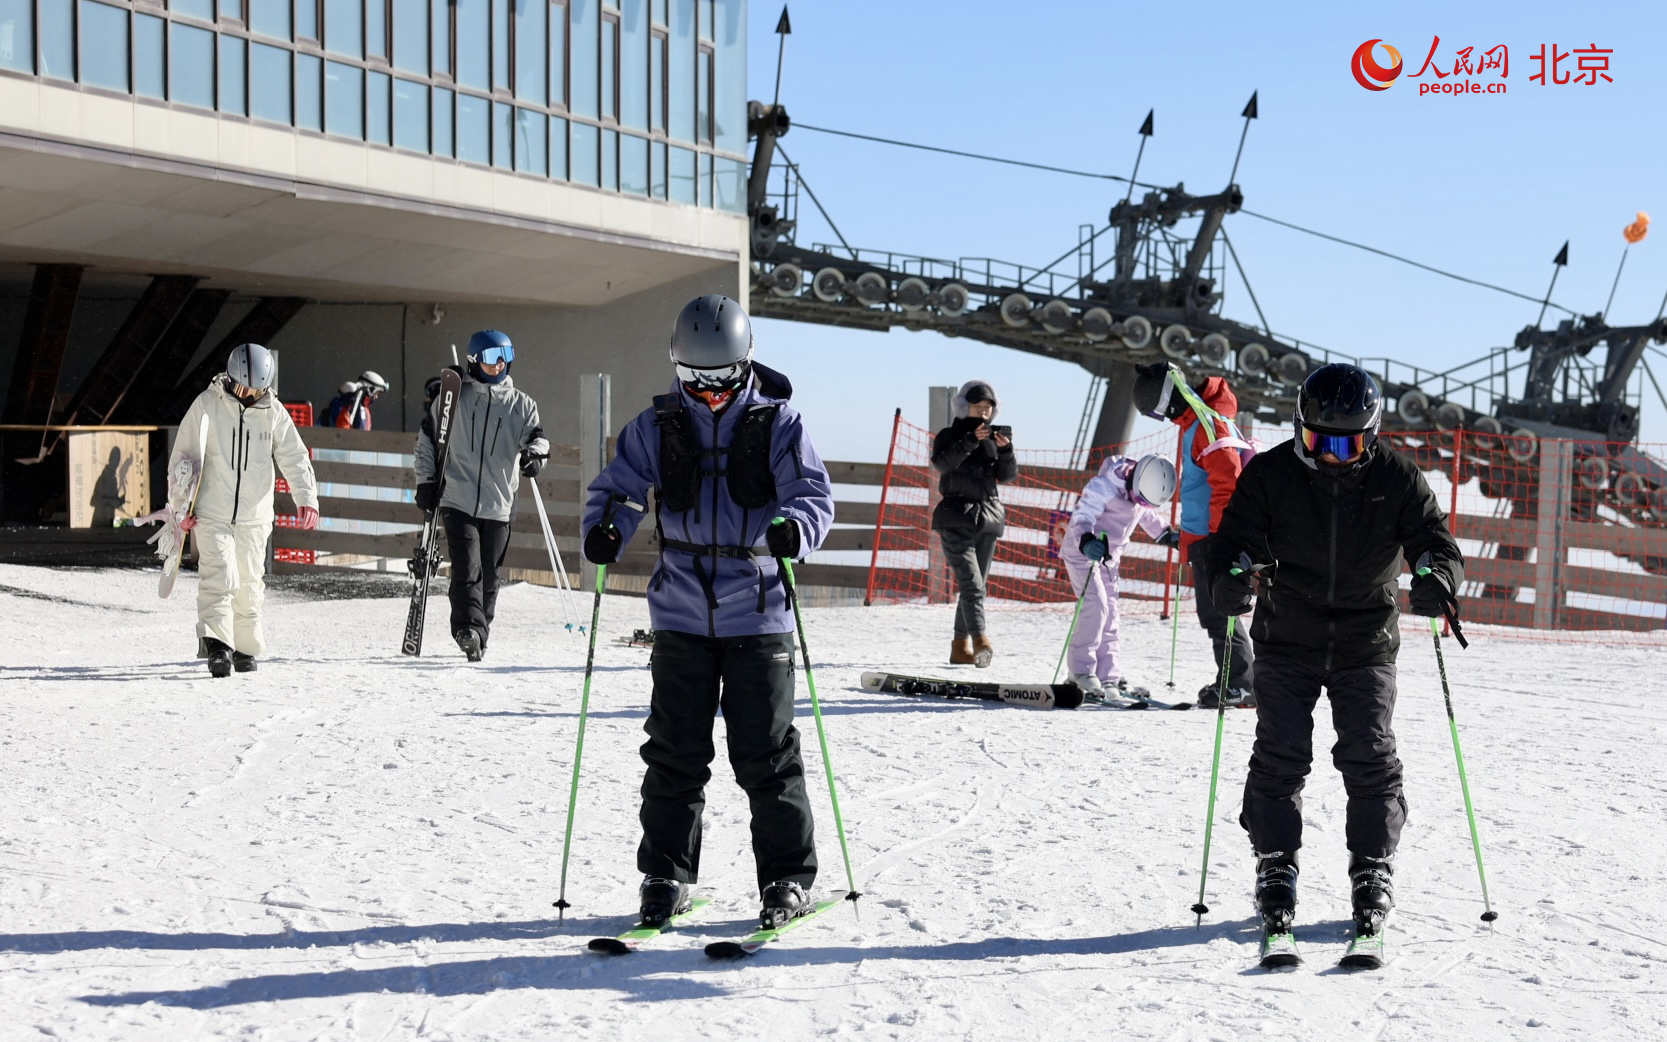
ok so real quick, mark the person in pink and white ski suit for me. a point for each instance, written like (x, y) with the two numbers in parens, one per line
(1122, 495)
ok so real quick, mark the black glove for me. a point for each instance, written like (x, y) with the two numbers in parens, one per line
(602, 544)
(782, 538)
(1430, 595)
(531, 464)
(1171, 538)
(428, 496)
(1094, 547)
(1234, 594)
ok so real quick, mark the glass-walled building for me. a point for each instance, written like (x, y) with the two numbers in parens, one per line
(642, 97)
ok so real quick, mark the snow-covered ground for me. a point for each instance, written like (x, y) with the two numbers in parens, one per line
(354, 845)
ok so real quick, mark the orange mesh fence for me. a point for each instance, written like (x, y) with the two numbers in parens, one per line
(1560, 537)
(302, 414)
(907, 562)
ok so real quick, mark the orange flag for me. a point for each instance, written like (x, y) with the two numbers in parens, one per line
(1636, 231)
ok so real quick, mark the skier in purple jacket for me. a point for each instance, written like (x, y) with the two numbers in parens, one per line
(725, 456)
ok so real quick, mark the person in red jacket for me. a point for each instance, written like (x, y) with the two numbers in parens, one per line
(1213, 453)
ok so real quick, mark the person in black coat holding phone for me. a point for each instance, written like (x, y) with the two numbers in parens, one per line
(972, 458)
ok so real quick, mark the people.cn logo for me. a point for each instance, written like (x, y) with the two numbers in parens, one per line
(1368, 73)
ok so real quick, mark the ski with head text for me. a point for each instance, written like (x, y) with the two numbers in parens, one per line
(639, 935)
(753, 942)
(425, 559)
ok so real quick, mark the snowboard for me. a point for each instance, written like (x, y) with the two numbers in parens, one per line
(185, 479)
(1037, 696)
(425, 559)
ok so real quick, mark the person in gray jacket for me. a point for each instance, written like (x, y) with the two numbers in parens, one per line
(495, 440)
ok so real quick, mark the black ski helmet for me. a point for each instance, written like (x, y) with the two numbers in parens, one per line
(1337, 401)
(1155, 393)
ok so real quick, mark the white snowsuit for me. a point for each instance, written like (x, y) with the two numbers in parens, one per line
(234, 506)
(1105, 506)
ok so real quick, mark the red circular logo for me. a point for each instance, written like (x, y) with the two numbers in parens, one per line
(1368, 73)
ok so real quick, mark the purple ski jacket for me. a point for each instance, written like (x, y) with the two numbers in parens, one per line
(677, 598)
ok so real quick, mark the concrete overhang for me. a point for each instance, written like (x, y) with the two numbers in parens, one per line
(125, 185)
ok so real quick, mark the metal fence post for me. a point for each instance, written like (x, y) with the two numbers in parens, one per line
(940, 411)
(594, 425)
(1556, 472)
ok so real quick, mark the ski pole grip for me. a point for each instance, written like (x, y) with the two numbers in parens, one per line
(1425, 560)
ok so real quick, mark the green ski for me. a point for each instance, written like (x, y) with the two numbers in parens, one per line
(1365, 952)
(637, 936)
(750, 944)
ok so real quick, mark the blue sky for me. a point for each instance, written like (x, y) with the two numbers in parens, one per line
(1485, 185)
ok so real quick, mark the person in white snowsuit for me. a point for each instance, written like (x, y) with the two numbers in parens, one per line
(1121, 496)
(248, 430)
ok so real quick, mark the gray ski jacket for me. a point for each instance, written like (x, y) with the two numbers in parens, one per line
(494, 423)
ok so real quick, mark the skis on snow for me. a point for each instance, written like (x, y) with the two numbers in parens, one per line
(1365, 952)
(1279, 950)
(425, 559)
(750, 944)
(1039, 696)
(639, 935)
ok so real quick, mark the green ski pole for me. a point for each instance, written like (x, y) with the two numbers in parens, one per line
(1086, 583)
(1488, 914)
(1215, 762)
(816, 710)
(579, 750)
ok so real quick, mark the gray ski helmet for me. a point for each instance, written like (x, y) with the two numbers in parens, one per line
(1152, 481)
(252, 366)
(712, 332)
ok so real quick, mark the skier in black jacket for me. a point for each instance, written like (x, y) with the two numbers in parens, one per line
(1324, 523)
(974, 458)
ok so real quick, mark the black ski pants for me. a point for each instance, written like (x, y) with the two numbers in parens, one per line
(1239, 676)
(969, 554)
(476, 547)
(751, 678)
(1362, 703)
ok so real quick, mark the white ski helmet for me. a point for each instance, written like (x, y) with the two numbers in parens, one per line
(252, 366)
(1152, 482)
(372, 382)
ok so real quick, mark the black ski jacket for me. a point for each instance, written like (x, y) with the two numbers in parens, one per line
(1335, 544)
(971, 470)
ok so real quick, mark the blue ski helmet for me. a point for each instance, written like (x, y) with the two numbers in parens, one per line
(489, 347)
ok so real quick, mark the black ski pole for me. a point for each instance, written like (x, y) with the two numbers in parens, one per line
(792, 589)
(1200, 908)
(1488, 914)
(579, 746)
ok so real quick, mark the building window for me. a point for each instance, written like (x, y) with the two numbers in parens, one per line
(231, 10)
(610, 160)
(633, 164)
(708, 16)
(306, 20)
(703, 96)
(344, 28)
(309, 99)
(558, 54)
(633, 66)
(233, 97)
(411, 36)
(729, 184)
(503, 135)
(149, 70)
(270, 18)
(729, 80)
(609, 80)
(474, 40)
(703, 179)
(657, 83)
(532, 42)
(104, 46)
(582, 158)
(17, 35)
(680, 72)
(376, 29)
(190, 65)
(57, 42)
(657, 169)
(474, 129)
(442, 123)
(344, 100)
(500, 44)
(440, 39)
(410, 115)
(682, 176)
(203, 9)
(378, 108)
(532, 149)
(558, 148)
(269, 86)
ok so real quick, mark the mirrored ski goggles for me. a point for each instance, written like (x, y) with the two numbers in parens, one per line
(1344, 446)
(712, 379)
(494, 355)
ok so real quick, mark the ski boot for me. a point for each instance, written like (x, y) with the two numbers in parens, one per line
(661, 899)
(982, 651)
(1373, 892)
(1126, 690)
(1276, 890)
(469, 641)
(243, 663)
(1209, 697)
(1090, 685)
(783, 902)
(219, 658)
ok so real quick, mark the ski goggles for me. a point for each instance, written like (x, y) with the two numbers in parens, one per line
(1344, 446)
(725, 377)
(494, 355)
